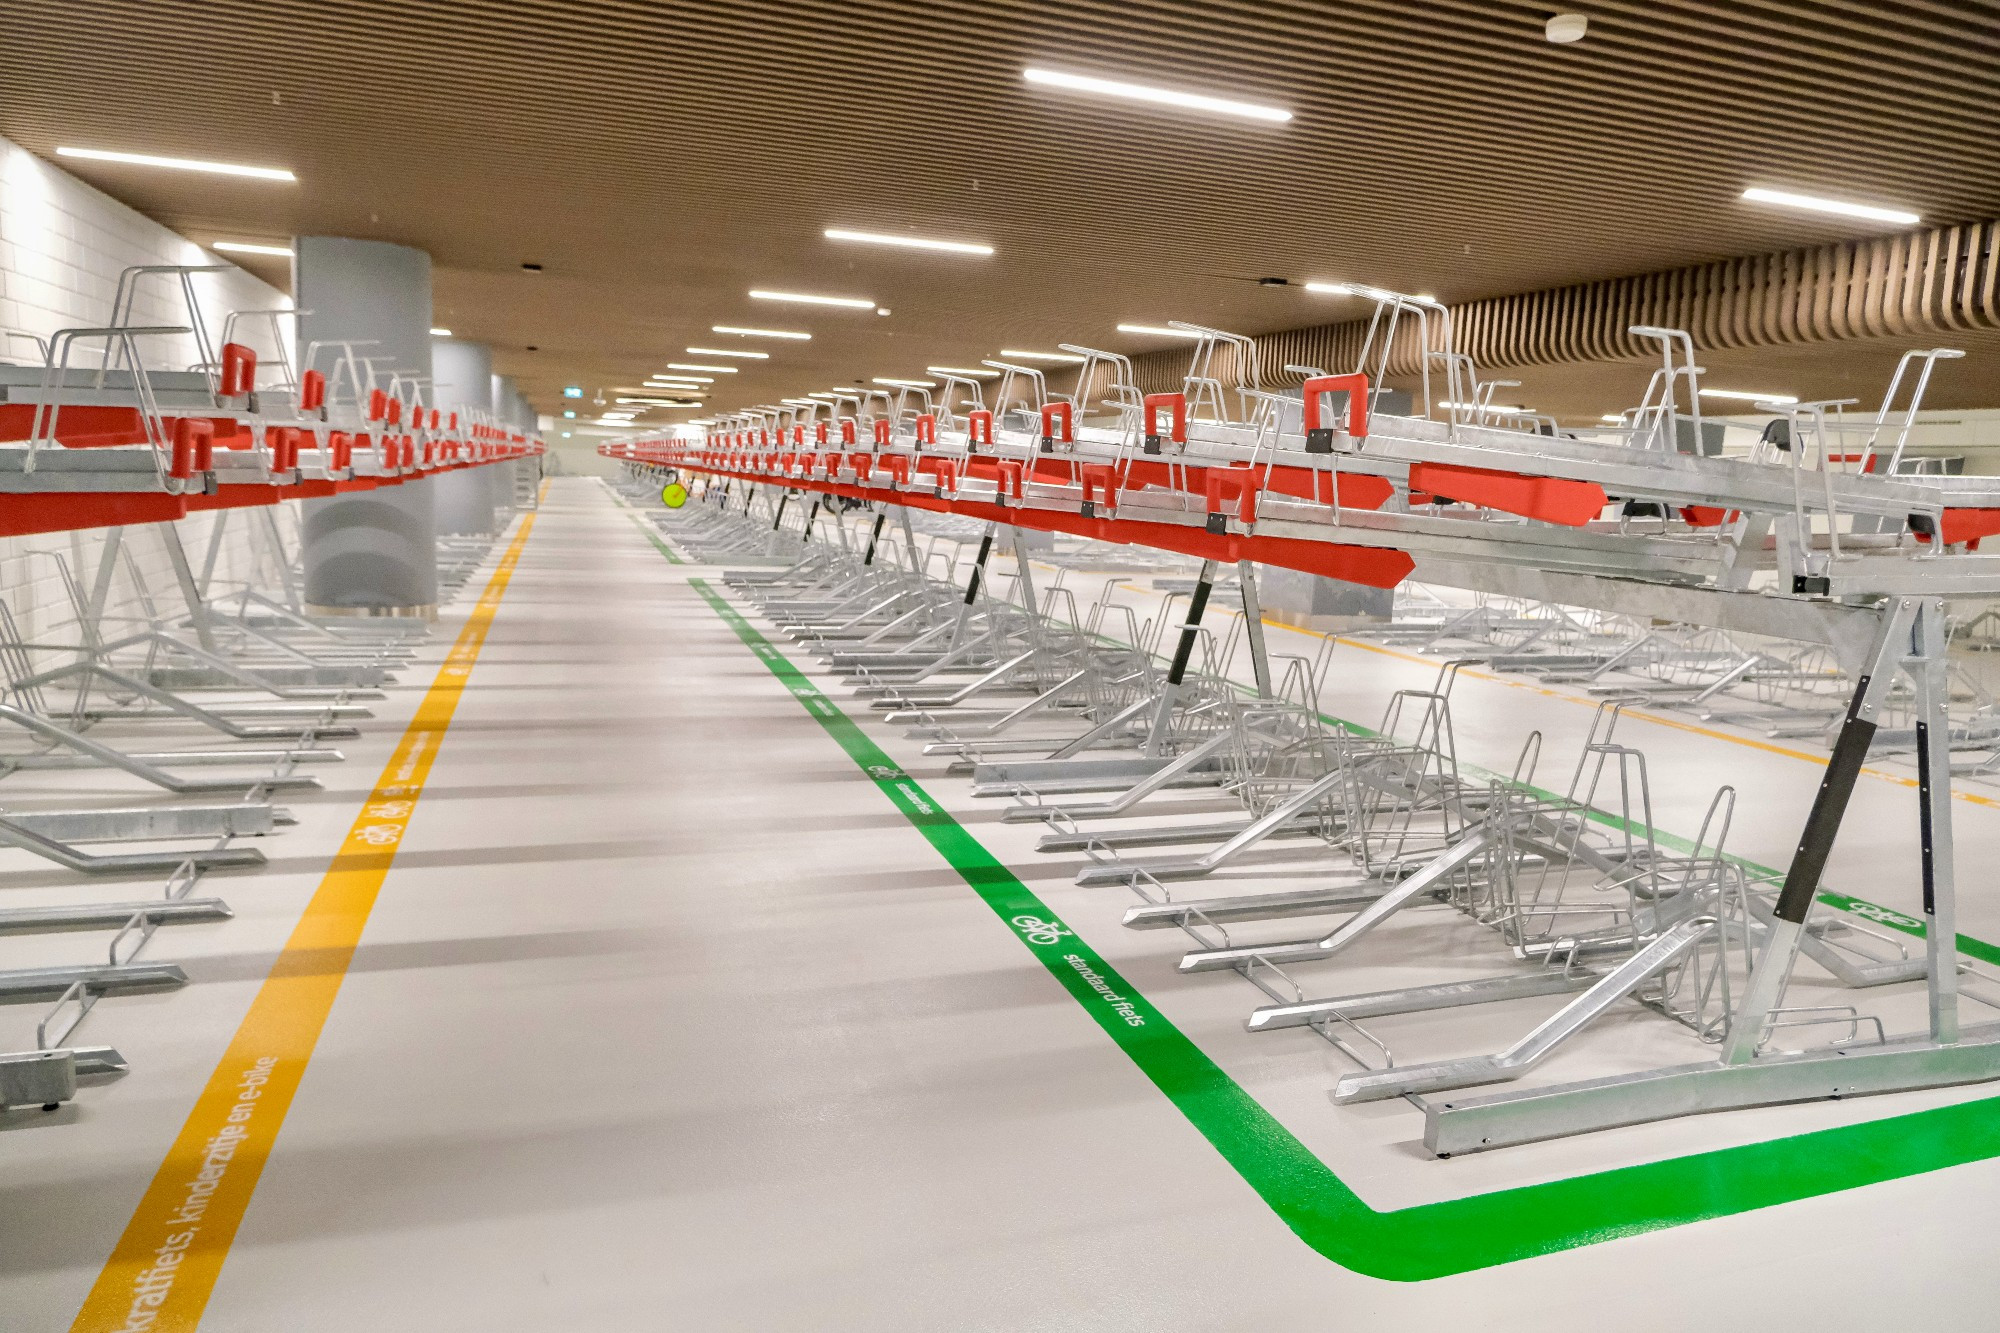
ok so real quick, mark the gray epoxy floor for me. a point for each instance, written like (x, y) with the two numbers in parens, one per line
(666, 1021)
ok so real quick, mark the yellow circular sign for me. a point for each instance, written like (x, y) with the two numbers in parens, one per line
(673, 495)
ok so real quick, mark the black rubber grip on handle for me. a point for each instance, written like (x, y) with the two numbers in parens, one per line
(1829, 807)
(1185, 649)
(978, 566)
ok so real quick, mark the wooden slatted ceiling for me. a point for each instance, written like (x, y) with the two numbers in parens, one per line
(660, 160)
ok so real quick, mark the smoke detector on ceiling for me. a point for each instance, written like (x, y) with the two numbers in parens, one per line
(1565, 28)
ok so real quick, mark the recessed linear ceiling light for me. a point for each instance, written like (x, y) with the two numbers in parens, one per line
(1156, 331)
(724, 351)
(822, 394)
(965, 371)
(246, 248)
(1374, 293)
(1486, 407)
(1140, 92)
(1748, 396)
(1785, 199)
(179, 164)
(680, 379)
(693, 365)
(440, 333)
(1017, 354)
(743, 332)
(908, 384)
(908, 242)
(1615, 418)
(808, 298)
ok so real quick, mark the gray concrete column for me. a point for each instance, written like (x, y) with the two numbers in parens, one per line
(369, 552)
(463, 379)
(516, 414)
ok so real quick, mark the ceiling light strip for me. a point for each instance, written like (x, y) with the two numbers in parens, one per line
(179, 164)
(743, 332)
(1814, 204)
(907, 242)
(1144, 92)
(810, 298)
(1157, 331)
(1016, 354)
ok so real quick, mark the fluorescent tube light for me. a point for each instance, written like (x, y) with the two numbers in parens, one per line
(724, 351)
(1141, 92)
(908, 384)
(246, 248)
(742, 332)
(1786, 199)
(1362, 289)
(1748, 396)
(692, 365)
(965, 371)
(1154, 330)
(440, 333)
(179, 164)
(808, 298)
(1015, 354)
(907, 242)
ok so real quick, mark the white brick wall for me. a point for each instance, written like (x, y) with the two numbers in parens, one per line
(62, 246)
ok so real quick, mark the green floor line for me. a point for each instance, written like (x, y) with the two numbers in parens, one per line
(652, 536)
(1430, 1240)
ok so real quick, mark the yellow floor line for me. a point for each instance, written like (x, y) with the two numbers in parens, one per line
(163, 1269)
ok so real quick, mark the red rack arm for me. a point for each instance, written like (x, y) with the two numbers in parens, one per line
(239, 370)
(1319, 439)
(1051, 413)
(1177, 403)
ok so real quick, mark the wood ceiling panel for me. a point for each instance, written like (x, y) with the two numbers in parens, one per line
(660, 160)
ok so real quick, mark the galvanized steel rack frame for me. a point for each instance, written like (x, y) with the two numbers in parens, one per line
(1812, 538)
